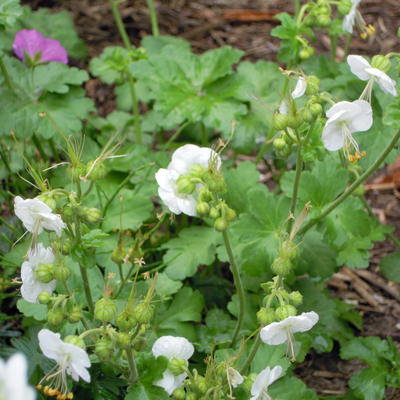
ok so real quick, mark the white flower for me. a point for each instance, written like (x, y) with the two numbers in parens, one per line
(172, 347)
(70, 359)
(14, 379)
(362, 69)
(350, 18)
(31, 286)
(280, 332)
(183, 161)
(263, 380)
(345, 118)
(234, 377)
(300, 88)
(36, 215)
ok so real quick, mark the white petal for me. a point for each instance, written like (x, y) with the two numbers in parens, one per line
(182, 158)
(360, 116)
(274, 334)
(339, 108)
(235, 377)
(187, 205)
(78, 362)
(348, 21)
(300, 88)
(264, 379)
(387, 84)
(358, 66)
(173, 347)
(166, 179)
(170, 382)
(332, 136)
(275, 374)
(170, 199)
(50, 344)
(303, 322)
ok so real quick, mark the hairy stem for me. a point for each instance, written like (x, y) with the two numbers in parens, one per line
(251, 355)
(174, 136)
(299, 169)
(120, 24)
(153, 17)
(133, 376)
(136, 112)
(238, 285)
(363, 177)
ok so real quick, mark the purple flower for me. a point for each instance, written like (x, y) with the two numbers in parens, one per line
(38, 48)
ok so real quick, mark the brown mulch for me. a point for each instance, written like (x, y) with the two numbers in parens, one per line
(247, 25)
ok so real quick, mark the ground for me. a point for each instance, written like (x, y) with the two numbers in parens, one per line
(246, 25)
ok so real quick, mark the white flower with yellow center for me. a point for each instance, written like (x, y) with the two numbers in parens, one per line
(263, 380)
(14, 379)
(179, 195)
(172, 347)
(345, 118)
(31, 286)
(37, 215)
(70, 359)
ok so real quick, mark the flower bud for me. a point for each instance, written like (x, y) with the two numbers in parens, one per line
(177, 366)
(125, 321)
(198, 170)
(306, 52)
(179, 394)
(315, 109)
(66, 247)
(288, 250)
(281, 266)
(312, 85)
(143, 313)
(296, 298)
(75, 340)
(324, 20)
(75, 315)
(91, 215)
(279, 143)
(215, 182)
(104, 348)
(201, 384)
(280, 121)
(285, 311)
(344, 6)
(185, 185)
(205, 195)
(294, 120)
(118, 255)
(44, 297)
(48, 198)
(96, 170)
(61, 272)
(55, 316)
(76, 171)
(44, 273)
(190, 396)
(140, 344)
(105, 310)
(220, 224)
(124, 340)
(265, 317)
(202, 208)
(381, 62)
(214, 213)
(230, 214)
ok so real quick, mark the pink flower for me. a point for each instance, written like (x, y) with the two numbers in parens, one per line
(33, 44)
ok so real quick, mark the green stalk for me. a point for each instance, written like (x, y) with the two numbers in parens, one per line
(238, 285)
(363, 177)
(120, 24)
(136, 112)
(153, 17)
(333, 46)
(39, 146)
(174, 136)
(4, 71)
(86, 287)
(299, 169)
(297, 6)
(133, 376)
(252, 354)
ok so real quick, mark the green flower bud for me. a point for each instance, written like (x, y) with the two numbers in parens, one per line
(315, 109)
(177, 366)
(288, 250)
(75, 315)
(104, 348)
(143, 313)
(118, 255)
(198, 170)
(105, 310)
(220, 224)
(312, 85)
(201, 384)
(230, 214)
(124, 340)
(91, 215)
(66, 247)
(179, 394)
(265, 317)
(76, 171)
(281, 266)
(381, 62)
(205, 195)
(44, 273)
(279, 143)
(307, 115)
(76, 341)
(55, 316)
(344, 6)
(44, 297)
(280, 121)
(48, 198)
(125, 321)
(286, 311)
(140, 344)
(294, 121)
(306, 52)
(214, 213)
(202, 208)
(190, 396)
(324, 20)
(215, 182)
(96, 170)
(185, 185)
(61, 272)
(296, 298)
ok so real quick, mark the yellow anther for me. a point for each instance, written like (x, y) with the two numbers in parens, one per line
(46, 390)
(363, 35)
(371, 29)
(70, 396)
(39, 387)
(363, 153)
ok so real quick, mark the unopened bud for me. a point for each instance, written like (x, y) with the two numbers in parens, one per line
(288, 250)
(280, 121)
(230, 214)
(124, 340)
(143, 312)
(324, 20)
(214, 213)
(61, 272)
(125, 321)
(104, 348)
(55, 316)
(205, 195)
(281, 266)
(44, 273)
(285, 311)
(265, 317)
(202, 208)
(76, 171)
(185, 185)
(75, 315)
(44, 297)
(95, 170)
(190, 396)
(344, 6)
(220, 224)
(294, 120)
(296, 298)
(201, 384)
(306, 52)
(105, 310)
(279, 143)
(198, 170)
(315, 109)
(179, 394)
(75, 340)
(177, 366)
(118, 255)
(381, 62)
(91, 214)
(312, 85)
(66, 247)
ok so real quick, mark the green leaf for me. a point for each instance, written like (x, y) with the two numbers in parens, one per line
(150, 368)
(148, 392)
(10, 11)
(155, 44)
(193, 247)
(127, 211)
(166, 286)
(390, 266)
(37, 311)
(369, 384)
(94, 238)
(289, 388)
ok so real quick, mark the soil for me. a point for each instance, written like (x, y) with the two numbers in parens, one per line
(247, 25)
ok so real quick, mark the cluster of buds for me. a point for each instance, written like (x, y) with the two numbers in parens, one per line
(61, 308)
(319, 14)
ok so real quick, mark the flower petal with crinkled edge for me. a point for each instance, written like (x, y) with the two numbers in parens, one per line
(358, 66)
(263, 380)
(300, 88)
(387, 84)
(173, 347)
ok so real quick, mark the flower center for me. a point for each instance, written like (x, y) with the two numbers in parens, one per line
(350, 143)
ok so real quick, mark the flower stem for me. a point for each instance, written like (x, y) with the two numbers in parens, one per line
(136, 112)
(174, 136)
(120, 24)
(299, 169)
(363, 177)
(133, 376)
(238, 285)
(333, 46)
(297, 6)
(153, 17)
(251, 356)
